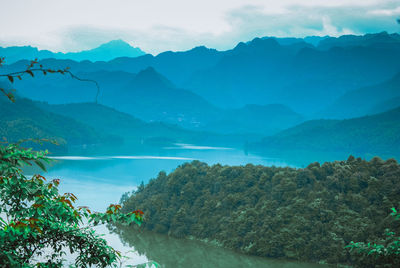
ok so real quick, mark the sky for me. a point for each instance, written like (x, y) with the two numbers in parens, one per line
(159, 25)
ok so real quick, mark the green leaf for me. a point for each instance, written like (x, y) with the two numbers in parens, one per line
(29, 72)
(40, 164)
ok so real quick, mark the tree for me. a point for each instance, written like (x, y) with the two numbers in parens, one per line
(385, 252)
(37, 223)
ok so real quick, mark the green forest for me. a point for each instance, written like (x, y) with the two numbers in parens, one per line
(308, 214)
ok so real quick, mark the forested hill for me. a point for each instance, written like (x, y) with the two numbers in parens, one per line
(369, 135)
(303, 214)
(23, 120)
(87, 125)
(130, 129)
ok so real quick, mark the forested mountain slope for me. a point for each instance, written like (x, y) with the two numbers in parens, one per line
(369, 135)
(365, 100)
(128, 128)
(24, 120)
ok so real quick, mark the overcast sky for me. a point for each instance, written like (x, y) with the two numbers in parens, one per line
(159, 25)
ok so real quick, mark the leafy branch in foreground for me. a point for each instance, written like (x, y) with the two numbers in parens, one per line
(38, 224)
(385, 252)
(34, 67)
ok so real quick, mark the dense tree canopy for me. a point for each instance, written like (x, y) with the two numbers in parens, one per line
(307, 214)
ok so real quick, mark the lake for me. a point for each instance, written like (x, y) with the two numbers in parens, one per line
(98, 181)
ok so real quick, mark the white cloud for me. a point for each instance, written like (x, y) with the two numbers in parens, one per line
(330, 29)
(386, 12)
(157, 25)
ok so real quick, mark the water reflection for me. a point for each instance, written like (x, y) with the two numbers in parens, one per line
(174, 253)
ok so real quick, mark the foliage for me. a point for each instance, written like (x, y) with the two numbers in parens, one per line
(34, 67)
(38, 223)
(307, 214)
(386, 251)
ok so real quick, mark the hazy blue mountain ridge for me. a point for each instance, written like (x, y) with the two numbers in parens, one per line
(131, 130)
(262, 71)
(105, 52)
(151, 97)
(135, 133)
(385, 106)
(265, 119)
(382, 39)
(369, 135)
(219, 84)
(367, 100)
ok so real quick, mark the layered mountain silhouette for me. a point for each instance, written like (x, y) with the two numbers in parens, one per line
(259, 87)
(306, 80)
(151, 97)
(376, 40)
(105, 52)
(24, 120)
(130, 130)
(91, 127)
(260, 119)
(368, 100)
(369, 135)
(264, 71)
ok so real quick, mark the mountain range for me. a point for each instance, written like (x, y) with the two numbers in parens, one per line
(90, 127)
(263, 71)
(105, 52)
(278, 88)
(151, 97)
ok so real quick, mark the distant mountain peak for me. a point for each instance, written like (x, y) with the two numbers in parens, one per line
(264, 41)
(257, 44)
(107, 51)
(201, 49)
(239, 46)
(151, 77)
(118, 43)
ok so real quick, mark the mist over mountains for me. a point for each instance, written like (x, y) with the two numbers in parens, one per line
(257, 89)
